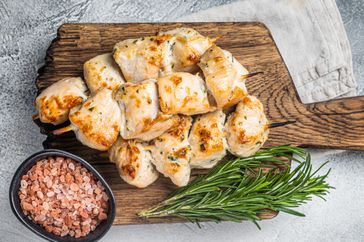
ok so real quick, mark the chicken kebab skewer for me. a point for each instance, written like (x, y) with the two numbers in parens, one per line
(224, 77)
(184, 93)
(173, 50)
(141, 117)
(247, 128)
(172, 153)
(102, 72)
(206, 144)
(151, 57)
(143, 58)
(186, 48)
(134, 162)
(243, 134)
(180, 93)
(149, 106)
(96, 122)
(207, 139)
(54, 103)
(181, 148)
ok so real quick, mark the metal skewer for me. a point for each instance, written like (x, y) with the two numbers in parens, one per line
(279, 124)
(62, 130)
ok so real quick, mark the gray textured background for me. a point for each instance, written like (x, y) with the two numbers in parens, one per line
(26, 29)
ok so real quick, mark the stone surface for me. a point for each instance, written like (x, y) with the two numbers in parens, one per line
(26, 29)
(352, 13)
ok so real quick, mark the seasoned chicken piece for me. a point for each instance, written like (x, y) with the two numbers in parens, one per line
(139, 103)
(96, 122)
(207, 140)
(183, 93)
(55, 102)
(143, 58)
(224, 76)
(187, 47)
(102, 72)
(133, 162)
(247, 127)
(172, 153)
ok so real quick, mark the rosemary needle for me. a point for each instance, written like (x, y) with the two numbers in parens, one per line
(237, 189)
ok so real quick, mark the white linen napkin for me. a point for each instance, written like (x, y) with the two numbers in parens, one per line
(310, 37)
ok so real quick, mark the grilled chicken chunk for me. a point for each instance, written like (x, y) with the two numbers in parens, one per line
(224, 76)
(247, 127)
(139, 103)
(183, 93)
(55, 102)
(172, 153)
(207, 140)
(96, 122)
(133, 162)
(187, 47)
(102, 72)
(143, 58)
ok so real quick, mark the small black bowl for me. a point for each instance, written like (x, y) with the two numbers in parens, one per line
(95, 235)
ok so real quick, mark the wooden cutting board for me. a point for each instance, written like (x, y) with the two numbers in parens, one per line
(335, 124)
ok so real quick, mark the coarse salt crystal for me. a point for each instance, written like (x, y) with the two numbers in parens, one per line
(86, 179)
(97, 190)
(76, 205)
(71, 166)
(54, 171)
(49, 184)
(59, 159)
(40, 195)
(104, 196)
(95, 211)
(74, 187)
(86, 221)
(23, 184)
(41, 217)
(86, 186)
(88, 201)
(64, 233)
(45, 206)
(50, 194)
(98, 197)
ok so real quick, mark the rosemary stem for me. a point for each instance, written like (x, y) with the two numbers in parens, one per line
(227, 192)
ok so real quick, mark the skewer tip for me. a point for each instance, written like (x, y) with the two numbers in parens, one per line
(279, 124)
(62, 130)
(246, 76)
(213, 40)
(35, 116)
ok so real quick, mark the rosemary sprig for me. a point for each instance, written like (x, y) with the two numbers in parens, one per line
(237, 189)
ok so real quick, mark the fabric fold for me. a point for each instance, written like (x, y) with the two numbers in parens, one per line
(311, 39)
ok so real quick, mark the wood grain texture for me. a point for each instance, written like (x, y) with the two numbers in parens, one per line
(336, 124)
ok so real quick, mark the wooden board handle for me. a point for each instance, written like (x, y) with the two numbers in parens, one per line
(336, 124)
